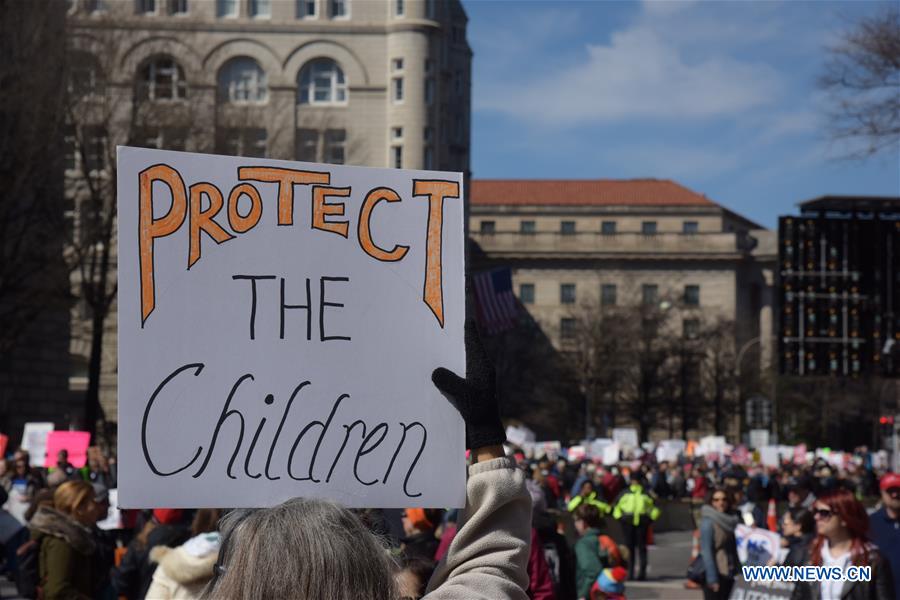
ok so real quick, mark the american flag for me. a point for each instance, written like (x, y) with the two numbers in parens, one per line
(497, 308)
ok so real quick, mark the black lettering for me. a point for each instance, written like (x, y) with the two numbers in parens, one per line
(324, 426)
(363, 450)
(337, 457)
(287, 409)
(144, 444)
(306, 307)
(225, 414)
(323, 304)
(252, 279)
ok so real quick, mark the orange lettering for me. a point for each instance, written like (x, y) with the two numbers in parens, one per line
(321, 209)
(437, 191)
(364, 229)
(286, 180)
(149, 228)
(203, 219)
(244, 223)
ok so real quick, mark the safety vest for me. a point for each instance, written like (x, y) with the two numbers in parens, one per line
(635, 503)
(592, 500)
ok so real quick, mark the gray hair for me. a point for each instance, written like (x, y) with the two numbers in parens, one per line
(304, 548)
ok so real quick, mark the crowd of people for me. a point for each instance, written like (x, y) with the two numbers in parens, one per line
(542, 529)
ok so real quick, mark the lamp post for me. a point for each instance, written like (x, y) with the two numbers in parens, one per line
(737, 376)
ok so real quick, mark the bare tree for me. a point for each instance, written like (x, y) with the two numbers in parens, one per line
(862, 79)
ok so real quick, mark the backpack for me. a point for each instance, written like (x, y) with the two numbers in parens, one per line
(609, 552)
(28, 579)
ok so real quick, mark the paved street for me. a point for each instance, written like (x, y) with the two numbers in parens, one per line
(665, 575)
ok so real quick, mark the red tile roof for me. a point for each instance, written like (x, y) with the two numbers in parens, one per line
(585, 192)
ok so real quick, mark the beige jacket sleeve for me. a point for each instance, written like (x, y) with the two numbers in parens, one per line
(487, 558)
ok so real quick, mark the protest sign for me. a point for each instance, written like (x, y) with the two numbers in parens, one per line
(755, 545)
(293, 356)
(113, 518)
(759, 438)
(548, 450)
(76, 442)
(519, 435)
(611, 454)
(576, 453)
(595, 449)
(34, 440)
(626, 437)
(800, 454)
(740, 455)
(761, 590)
(669, 450)
(17, 503)
(768, 456)
(712, 443)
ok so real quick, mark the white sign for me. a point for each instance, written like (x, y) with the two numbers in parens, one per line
(759, 438)
(755, 545)
(34, 440)
(712, 443)
(519, 435)
(611, 454)
(768, 456)
(113, 518)
(548, 450)
(670, 450)
(626, 437)
(279, 323)
(595, 449)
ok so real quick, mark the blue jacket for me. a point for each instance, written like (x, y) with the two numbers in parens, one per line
(885, 533)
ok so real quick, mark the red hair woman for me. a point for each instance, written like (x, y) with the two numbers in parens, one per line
(842, 541)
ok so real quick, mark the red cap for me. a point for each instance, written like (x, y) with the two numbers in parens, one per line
(418, 518)
(168, 516)
(890, 480)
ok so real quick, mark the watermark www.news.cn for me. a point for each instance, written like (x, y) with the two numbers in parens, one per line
(807, 574)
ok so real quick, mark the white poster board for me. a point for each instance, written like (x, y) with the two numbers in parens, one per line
(519, 435)
(595, 449)
(626, 437)
(670, 450)
(712, 444)
(611, 454)
(34, 440)
(768, 456)
(279, 323)
(755, 545)
(548, 450)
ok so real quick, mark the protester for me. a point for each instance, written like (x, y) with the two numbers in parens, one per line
(134, 574)
(318, 550)
(798, 529)
(587, 495)
(841, 525)
(559, 556)
(884, 525)
(183, 572)
(67, 548)
(64, 466)
(635, 511)
(718, 548)
(593, 550)
(418, 530)
(799, 492)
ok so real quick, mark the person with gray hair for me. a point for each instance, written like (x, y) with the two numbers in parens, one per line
(317, 550)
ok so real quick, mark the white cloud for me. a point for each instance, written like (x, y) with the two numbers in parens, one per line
(638, 75)
(672, 161)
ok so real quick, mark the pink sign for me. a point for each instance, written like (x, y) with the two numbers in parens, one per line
(76, 442)
(800, 454)
(4, 441)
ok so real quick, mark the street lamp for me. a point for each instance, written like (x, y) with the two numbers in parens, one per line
(737, 376)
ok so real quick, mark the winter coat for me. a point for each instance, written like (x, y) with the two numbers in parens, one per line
(798, 550)
(717, 544)
(587, 562)
(133, 575)
(67, 549)
(880, 587)
(183, 572)
(540, 585)
(487, 558)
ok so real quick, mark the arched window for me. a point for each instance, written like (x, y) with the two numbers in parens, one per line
(162, 78)
(242, 80)
(322, 82)
(85, 75)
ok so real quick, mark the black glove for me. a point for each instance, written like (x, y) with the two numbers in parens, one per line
(475, 397)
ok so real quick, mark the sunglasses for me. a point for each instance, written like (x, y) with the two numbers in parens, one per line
(893, 492)
(822, 514)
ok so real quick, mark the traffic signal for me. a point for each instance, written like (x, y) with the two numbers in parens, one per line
(887, 425)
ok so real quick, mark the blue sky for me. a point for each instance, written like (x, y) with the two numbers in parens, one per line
(718, 96)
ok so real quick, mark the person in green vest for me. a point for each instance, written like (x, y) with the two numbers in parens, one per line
(635, 511)
(587, 495)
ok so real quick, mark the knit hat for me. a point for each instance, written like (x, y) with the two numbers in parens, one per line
(889, 480)
(418, 518)
(167, 516)
(612, 581)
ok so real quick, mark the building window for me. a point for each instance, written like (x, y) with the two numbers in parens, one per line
(526, 293)
(97, 6)
(608, 294)
(162, 138)
(242, 80)
(94, 148)
(397, 133)
(427, 135)
(227, 8)
(396, 64)
(488, 227)
(428, 158)
(178, 7)
(648, 227)
(261, 9)
(85, 75)
(567, 227)
(692, 295)
(429, 90)
(398, 156)
(397, 89)
(146, 7)
(458, 83)
(243, 142)
(307, 143)
(691, 328)
(335, 143)
(689, 227)
(322, 82)
(306, 9)
(162, 79)
(340, 9)
(567, 328)
(526, 227)
(70, 154)
(649, 294)
(399, 8)
(567, 293)
(608, 227)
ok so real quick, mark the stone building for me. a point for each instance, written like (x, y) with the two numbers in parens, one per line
(362, 82)
(600, 243)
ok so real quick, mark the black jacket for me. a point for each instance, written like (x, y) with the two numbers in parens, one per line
(134, 574)
(880, 587)
(798, 550)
